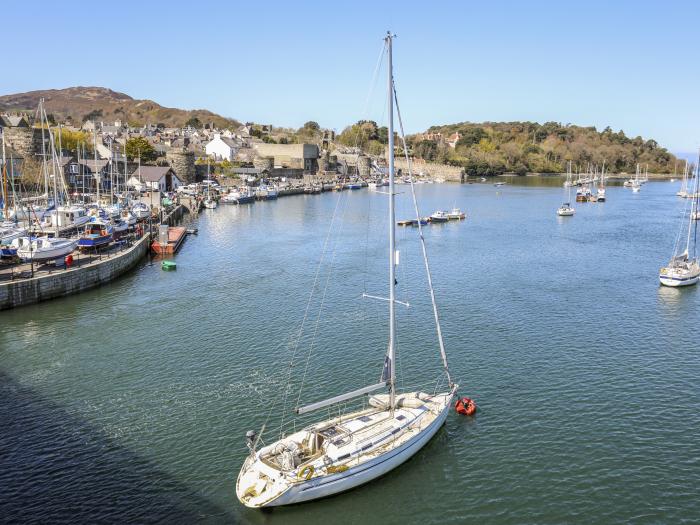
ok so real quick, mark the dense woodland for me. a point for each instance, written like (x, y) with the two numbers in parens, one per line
(492, 148)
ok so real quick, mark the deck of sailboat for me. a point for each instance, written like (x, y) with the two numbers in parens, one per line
(334, 448)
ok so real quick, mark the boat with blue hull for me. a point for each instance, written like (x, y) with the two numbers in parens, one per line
(97, 233)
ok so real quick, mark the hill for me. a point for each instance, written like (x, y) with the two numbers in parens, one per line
(492, 148)
(82, 103)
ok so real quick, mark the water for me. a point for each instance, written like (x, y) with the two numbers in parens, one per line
(130, 403)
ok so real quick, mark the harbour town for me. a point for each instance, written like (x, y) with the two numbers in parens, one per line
(461, 294)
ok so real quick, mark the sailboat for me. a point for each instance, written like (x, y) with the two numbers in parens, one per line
(684, 269)
(209, 203)
(337, 454)
(683, 192)
(601, 188)
(566, 210)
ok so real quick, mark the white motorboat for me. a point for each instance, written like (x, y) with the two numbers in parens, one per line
(68, 217)
(210, 204)
(230, 198)
(456, 214)
(440, 216)
(39, 249)
(345, 451)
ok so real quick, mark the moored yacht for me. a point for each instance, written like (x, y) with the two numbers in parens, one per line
(40, 249)
(345, 451)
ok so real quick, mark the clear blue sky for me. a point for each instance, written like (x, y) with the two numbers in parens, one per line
(632, 65)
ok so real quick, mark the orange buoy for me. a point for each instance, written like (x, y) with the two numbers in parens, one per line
(465, 406)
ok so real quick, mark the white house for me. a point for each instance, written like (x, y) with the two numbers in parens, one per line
(160, 178)
(221, 148)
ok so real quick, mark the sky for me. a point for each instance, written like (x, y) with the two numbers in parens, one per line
(630, 65)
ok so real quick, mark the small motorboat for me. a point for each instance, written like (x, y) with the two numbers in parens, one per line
(456, 214)
(499, 184)
(565, 210)
(192, 231)
(210, 204)
(119, 227)
(440, 216)
(168, 266)
(97, 233)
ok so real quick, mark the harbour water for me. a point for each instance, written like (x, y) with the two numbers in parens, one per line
(129, 403)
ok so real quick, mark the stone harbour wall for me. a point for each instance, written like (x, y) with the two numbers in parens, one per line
(61, 283)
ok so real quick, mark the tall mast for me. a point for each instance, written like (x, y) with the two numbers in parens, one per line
(98, 176)
(4, 179)
(392, 228)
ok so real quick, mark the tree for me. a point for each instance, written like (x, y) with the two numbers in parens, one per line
(311, 126)
(193, 122)
(70, 140)
(93, 115)
(139, 147)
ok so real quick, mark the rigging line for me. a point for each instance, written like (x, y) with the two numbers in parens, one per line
(323, 299)
(373, 82)
(306, 314)
(422, 239)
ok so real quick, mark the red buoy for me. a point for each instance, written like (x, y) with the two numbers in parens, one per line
(465, 406)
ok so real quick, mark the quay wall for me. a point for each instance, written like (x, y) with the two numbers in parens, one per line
(67, 282)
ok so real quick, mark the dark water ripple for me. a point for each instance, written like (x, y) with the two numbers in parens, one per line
(129, 403)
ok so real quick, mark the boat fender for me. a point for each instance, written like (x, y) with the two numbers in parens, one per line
(103, 233)
(306, 472)
(465, 406)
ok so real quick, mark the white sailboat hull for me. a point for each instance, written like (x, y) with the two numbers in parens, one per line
(321, 488)
(258, 485)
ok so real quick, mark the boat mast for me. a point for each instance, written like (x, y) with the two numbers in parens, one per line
(392, 228)
(98, 177)
(4, 179)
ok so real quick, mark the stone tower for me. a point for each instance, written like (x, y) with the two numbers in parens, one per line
(182, 163)
(25, 140)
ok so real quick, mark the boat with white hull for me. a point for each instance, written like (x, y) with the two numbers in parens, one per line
(684, 267)
(43, 248)
(342, 452)
(262, 483)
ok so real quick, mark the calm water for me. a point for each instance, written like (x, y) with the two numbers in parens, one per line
(130, 403)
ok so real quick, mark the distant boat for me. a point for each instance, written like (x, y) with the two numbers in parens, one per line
(566, 210)
(230, 198)
(684, 270)
(456, 214)
(497, 184)
(440, 216)
(210, 204)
